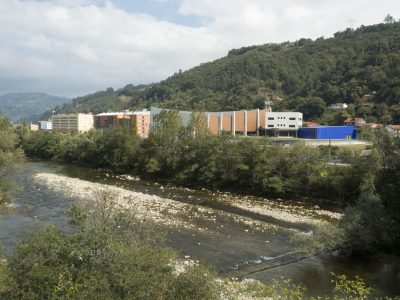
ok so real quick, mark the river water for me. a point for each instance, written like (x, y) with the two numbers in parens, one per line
(245, 240)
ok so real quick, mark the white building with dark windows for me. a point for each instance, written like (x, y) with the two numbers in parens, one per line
(285, 124)
(45, 125)
(284, 120)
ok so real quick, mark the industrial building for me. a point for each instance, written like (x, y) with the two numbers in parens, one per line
(243, 122)
(264, 122)
(138, 121)
(72, 123)
(328, 133)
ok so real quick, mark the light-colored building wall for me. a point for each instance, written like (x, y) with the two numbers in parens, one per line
(252, 120)
(33, 127)
(213, 124)
(239, 121)
(45, 125)
(77, 123)
(283, 120)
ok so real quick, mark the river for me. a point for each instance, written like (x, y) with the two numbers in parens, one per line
(238, 234)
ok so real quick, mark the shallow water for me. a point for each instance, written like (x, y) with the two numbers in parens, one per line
(236, 248)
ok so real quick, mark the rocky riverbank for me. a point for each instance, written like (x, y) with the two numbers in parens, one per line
(178, 214)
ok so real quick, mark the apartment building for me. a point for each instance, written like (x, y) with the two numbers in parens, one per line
(72, 123)
(138, 121)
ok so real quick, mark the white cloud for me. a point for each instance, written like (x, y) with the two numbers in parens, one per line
(74, 47)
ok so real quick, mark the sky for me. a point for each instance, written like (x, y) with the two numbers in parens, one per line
(74, 47)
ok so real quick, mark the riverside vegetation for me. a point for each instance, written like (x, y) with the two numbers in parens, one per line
(367, 186)
(114, 255)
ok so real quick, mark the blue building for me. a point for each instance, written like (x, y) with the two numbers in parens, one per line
(328, 133)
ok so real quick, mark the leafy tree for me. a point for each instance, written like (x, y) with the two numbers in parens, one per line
(11, 157)
(109, 257)
(389, 19)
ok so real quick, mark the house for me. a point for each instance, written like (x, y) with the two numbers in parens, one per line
(393, 130)
(374, 126)
(357, 122)
(338, 106)
(310, 124)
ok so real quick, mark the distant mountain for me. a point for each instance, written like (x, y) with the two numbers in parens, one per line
(360, 67)
(31, 106)
(102, 101)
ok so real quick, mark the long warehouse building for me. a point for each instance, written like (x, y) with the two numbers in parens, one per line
(243, 122)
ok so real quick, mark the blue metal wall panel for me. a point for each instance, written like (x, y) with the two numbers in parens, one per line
(307, 133)
(328, 132)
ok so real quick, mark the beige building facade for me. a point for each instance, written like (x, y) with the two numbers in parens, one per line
(73, 123)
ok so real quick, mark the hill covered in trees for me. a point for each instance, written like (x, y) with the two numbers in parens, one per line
(18, 106)
(360, 67)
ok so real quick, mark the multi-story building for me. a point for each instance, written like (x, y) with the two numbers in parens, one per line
(45, 125)
(284, 120)
(72, 123)
(33, 127)
(138, 121)
(244, 122)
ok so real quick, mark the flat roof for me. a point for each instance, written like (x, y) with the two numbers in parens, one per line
(144, 112)
(328, 126)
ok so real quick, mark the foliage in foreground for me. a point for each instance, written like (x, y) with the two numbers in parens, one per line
(368, 184)
(111, 255)
(11, 157)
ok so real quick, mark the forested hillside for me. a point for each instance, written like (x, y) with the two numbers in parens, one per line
(360, 67)
(18, 106)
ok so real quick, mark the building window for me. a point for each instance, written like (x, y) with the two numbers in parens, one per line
(270, 125)
(291, 126)
(270, 118)
(292, 119)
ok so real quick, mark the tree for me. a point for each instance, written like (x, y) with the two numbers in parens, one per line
(312, 108)
(109, 256)
(11, 157)
(389, 19)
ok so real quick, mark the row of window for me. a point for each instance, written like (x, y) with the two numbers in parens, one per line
(281, 125)
(291, 119)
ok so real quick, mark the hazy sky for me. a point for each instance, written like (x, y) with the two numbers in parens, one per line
(74, 47)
